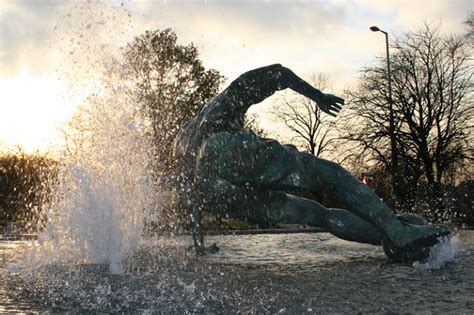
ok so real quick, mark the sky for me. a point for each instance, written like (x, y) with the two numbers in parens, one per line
(49, 49)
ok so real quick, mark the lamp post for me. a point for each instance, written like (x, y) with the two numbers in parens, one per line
(393, 145)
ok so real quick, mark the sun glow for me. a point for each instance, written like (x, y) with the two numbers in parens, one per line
(31, 112)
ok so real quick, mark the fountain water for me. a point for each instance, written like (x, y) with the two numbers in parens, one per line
(100, 204)
(440, 254)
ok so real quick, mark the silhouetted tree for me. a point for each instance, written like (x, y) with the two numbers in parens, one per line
(433, 104)
(470, 27)
(170, 84)
(251, 123)
(26, 181)
(309, 126)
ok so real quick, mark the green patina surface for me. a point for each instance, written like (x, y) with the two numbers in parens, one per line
(236, 174)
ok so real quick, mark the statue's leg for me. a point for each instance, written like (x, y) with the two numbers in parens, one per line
(268, 208)
(242, 158)
(329, 177)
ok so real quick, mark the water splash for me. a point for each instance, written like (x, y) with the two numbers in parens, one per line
(105, 192)
(443, 252)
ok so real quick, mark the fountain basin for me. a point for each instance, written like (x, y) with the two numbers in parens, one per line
(288, 273)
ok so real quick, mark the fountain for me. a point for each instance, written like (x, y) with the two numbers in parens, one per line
(92, 255)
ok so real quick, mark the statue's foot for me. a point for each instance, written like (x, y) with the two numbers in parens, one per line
(399, 255)
(203, 251)
(405, 236)
(406, 242)
(211, 249)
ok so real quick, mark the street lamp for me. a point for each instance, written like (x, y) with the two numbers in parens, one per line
(390, 104)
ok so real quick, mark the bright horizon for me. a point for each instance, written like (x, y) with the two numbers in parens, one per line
(49, 49)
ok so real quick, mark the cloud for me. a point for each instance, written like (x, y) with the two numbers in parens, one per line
(25, 33)
(236, 36)
(47, 36)
(323, 36)
(403, 15)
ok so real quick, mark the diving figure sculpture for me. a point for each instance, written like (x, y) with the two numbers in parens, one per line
(231, 171)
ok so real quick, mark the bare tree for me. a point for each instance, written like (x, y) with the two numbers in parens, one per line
(252, 124)
(433, 104)
(310, 128)
(470, 27)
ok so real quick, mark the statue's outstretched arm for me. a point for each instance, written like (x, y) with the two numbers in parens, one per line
(254, 86)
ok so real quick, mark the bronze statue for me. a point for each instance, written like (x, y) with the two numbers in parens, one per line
(231, 171)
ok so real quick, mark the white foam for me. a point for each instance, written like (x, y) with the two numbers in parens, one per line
(443, 252)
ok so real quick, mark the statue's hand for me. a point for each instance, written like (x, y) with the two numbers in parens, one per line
(330, 104)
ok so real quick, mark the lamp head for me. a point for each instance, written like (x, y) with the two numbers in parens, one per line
(374, 29)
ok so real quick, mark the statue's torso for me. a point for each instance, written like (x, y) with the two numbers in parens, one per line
(217, 116)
